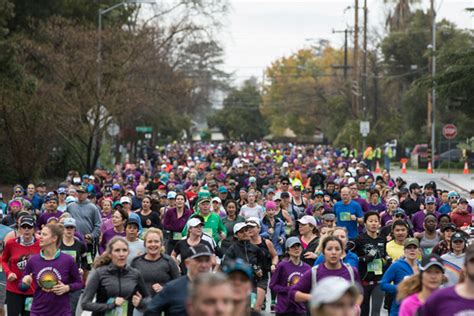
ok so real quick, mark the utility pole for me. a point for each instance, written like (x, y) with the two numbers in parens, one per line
(355, 64)
(345, 67)
(433, 89)
(364, 64)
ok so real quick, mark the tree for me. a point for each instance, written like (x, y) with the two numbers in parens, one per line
(240, 118)
(400, 15)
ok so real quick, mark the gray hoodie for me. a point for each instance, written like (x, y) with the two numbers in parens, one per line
(453, 265)
(87, 217)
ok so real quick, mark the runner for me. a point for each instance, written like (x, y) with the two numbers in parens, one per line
(54, 274)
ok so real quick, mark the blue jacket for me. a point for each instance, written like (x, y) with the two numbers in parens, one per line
(171, 299)
(398, 271)
(279, 231)
(351, 259)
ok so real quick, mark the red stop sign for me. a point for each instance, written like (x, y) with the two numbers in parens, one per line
(450, 131)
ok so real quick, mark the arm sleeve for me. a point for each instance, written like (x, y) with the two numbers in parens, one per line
(385, 283)
(97, 223)
(274, 286)
(5, 259)
(159, 302)
(76, 280)
(303, 285)
(93, 282)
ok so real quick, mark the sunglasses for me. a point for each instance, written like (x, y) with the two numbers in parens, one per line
(26, 227)
(18, 191)
(284, 183)
(69, 227)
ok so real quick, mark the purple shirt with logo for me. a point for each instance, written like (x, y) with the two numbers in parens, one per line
(447, 302)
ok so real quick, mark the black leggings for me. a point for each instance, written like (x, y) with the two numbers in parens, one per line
(16, 304)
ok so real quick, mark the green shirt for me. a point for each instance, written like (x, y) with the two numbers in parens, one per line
(213, 226)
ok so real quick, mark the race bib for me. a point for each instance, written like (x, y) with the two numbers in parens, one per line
(89, 258)
(121, 310)
(28, 303)
(345, 216)
(177, 236)
(375, 266)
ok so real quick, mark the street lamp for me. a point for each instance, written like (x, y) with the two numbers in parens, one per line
(99, 43)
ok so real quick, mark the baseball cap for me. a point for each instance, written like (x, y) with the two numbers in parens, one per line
(125, 199)
(462, 200)
(399, 211)
(80, 189)
(239, 226)
(116, 187)
(193, 222)
(410, 242)
(200, 251)
(277, 196)
(319, 167)
(414, 186)
(431, 260)
(68, 222)
(284, 195)
(290, 242)
(285, 165)
(222, 189)
(452, 194)
(70, 199)
(329, 216)
(458, 236)
(238, 265)
(307, 219)
(161, 187)
(317, 206)
(354, 161)
(253, 221)
(27, 220)
(216, 199)
(270, 190)
(133, 220)
(252, 179)
(449, 226)
(171, 195)
(297, 187)
(319, 192)
(330, 289)
(204, 196)
(61, 190)
(430, 200)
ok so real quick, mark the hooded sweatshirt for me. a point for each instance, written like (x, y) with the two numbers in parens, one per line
(453, 265)
(398, 271)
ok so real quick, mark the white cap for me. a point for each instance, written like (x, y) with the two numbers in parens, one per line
(125, 199)
(163, 166)
(171, 195)
(193, 222)
(216, 198)
(285, 165)
(253, 221)
(354, 161)
(307, 219)
(351, 180)
(331, 289)
(239, 226)
(277, 196)
(319, 167)
(252, 179)
(347, 174)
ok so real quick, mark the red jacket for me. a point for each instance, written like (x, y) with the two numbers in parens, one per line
(14, 258)
(460, 219)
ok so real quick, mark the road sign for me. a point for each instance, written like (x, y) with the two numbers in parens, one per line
(113, 129)
(365, 128)
(450, 131)
(144, 129)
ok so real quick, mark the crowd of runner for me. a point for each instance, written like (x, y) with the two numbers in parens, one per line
(237, 229)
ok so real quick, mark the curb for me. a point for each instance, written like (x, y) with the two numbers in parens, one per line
(454, 184)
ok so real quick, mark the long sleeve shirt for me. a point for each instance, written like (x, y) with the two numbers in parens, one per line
(48, 273)
(87, 216)
(173, 223)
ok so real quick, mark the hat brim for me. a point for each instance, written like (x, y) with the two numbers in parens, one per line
(202, 254)
(434, 263)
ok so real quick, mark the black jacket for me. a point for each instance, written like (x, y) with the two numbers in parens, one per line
(371, 251)
(246, 251)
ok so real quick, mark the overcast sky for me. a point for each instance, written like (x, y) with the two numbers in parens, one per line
(258, 32)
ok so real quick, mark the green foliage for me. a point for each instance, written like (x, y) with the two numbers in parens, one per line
(240, 118)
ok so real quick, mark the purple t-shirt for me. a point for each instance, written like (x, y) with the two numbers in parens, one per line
(46, 274)
(107, 236)
(447, 302)
(286, 275)
(306, 284)
(418, 219)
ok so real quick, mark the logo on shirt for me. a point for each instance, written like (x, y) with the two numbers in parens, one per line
(21, 263)
(47, 278)
(294, 278)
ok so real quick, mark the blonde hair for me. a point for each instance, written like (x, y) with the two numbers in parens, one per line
(153, 230)
(106, 257)
(319, 249)
(409, 286)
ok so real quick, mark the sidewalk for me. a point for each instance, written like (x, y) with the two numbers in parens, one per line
(464, 182)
